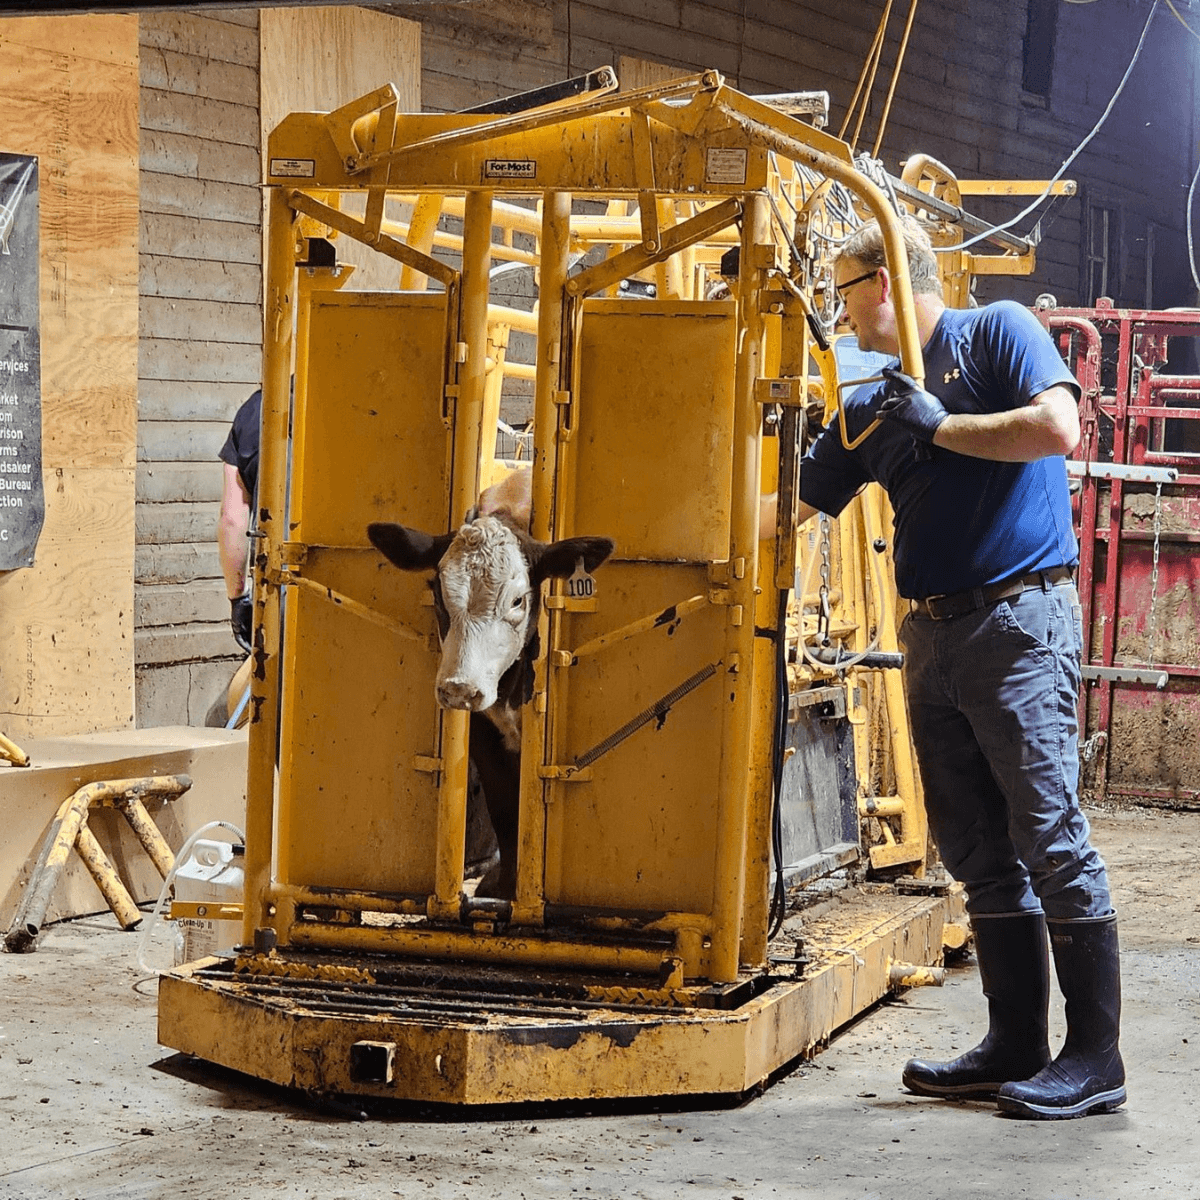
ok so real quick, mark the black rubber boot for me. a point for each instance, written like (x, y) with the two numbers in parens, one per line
(1015, 971)
(1088, 1075)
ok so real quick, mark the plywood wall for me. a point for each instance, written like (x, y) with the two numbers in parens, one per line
(637, 73)
(69, 94)
(316, 60)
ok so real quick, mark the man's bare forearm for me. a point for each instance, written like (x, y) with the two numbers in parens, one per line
(1048, 425)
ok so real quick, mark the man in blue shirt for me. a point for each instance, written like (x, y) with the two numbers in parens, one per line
(974, 465)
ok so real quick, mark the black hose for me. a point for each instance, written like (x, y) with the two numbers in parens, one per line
(778, 909)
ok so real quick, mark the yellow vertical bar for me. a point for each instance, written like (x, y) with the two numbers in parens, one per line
(555, 260)
(761, 780)
(555, 250)
(914, 825)
(785, 354)
(279, 319)
(685, 210)
(738, 680)
(303, 296)
(493, 391)
(669, 274)
(464, 490)
(427, 211)
(473, 336)
(615, 209)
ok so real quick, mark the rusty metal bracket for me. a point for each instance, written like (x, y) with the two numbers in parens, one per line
(1119, 674)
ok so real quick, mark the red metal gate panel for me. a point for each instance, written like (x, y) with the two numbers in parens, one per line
(1137, 470)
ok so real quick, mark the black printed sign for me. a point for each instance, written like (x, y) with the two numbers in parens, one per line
(22, 504)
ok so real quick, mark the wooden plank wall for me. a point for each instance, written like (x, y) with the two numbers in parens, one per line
(959, 96)
(469, 56)
(69, 94)
(201, 340)
(213, 85)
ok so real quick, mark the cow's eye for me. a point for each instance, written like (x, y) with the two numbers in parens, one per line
(519, 602)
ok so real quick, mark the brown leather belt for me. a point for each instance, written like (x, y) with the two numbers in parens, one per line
(958, 604)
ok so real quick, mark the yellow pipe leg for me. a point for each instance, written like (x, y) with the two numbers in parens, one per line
(106, 878)
(147, 832)
(738, 662)
(13, 752)
(56, 847)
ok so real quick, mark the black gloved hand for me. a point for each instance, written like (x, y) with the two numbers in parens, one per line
(241, 618)
(919, 411)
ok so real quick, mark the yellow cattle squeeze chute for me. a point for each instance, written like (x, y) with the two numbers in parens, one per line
(696, 675)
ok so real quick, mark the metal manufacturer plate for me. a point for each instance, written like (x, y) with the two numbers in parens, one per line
(294, 168)
(725, 165)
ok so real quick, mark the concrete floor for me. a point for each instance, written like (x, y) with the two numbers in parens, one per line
(91, 1107)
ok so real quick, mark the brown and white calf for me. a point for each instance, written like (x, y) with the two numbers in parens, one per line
(486, 588)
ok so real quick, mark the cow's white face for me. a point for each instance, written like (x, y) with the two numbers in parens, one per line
(486, 591)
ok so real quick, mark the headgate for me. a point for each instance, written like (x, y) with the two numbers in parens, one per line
(696, 678)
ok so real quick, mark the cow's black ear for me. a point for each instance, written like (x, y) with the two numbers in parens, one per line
(559, 559)
(408, 549)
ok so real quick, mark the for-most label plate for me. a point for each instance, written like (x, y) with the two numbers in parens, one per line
(510, 168)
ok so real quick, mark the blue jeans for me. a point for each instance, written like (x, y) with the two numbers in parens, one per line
(991, 698)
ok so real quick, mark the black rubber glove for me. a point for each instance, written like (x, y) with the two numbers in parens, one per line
(919, 411)
(241, 617)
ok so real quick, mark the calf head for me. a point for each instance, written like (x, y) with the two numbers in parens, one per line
(486, 586)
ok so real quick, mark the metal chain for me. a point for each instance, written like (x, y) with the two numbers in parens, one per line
(1154, 576)
(823, 616)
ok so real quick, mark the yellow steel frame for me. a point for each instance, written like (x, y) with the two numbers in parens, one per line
(688, 169)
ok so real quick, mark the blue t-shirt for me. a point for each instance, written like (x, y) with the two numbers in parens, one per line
(961, 522)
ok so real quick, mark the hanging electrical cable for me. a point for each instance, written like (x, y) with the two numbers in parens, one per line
(979, 237)
(1191, 247)
(1177, 17)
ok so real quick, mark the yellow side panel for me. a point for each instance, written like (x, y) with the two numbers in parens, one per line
(358, 699)
(655, 407)
(372, 444)
(652, 470)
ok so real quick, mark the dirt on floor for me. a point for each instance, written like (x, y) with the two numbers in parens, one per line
(91, 1107)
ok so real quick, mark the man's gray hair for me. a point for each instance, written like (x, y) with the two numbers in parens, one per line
(865, 245)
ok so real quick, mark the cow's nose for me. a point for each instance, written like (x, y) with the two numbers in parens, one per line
(459, 693)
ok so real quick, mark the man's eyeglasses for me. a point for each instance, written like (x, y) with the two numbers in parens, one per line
(840, 288)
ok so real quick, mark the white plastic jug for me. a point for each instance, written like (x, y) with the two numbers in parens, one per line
(213, 874)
